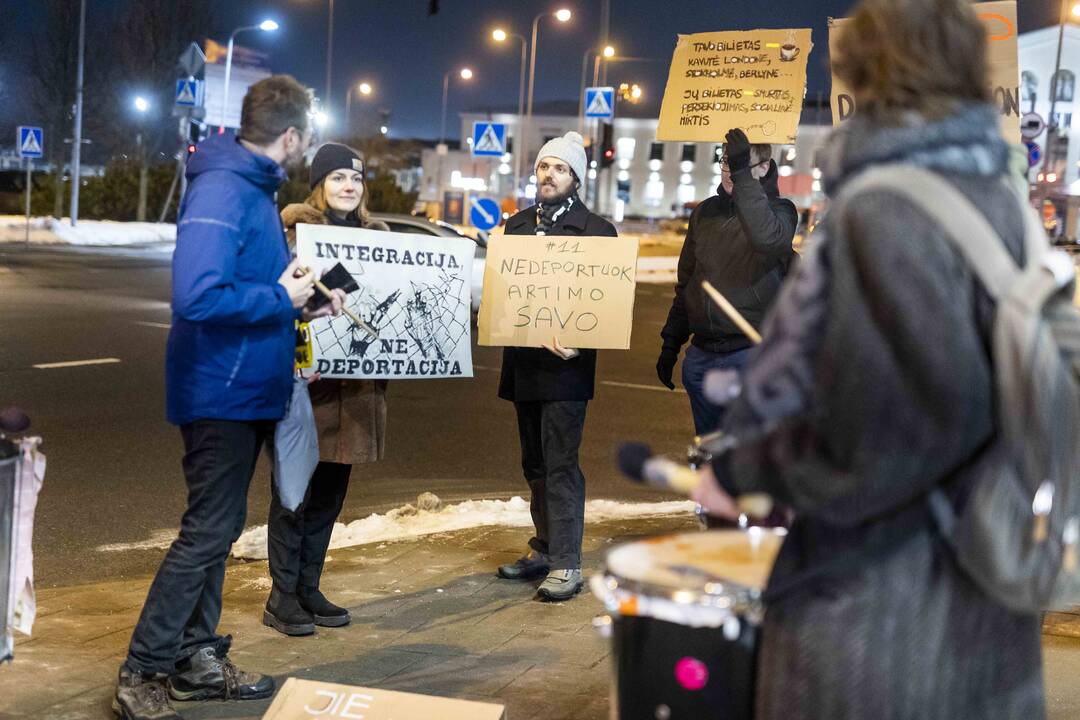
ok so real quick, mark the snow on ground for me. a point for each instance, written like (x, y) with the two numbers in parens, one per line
(408, 522)
(658, 270)
(49, 231)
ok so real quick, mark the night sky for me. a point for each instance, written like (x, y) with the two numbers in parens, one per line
(404, 52)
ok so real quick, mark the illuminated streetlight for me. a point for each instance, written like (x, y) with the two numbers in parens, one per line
(141, 104)
(364, 88)
(563, 15)
(321, 119)
(265, 26)
(383, 129)
(499, 35)
(466, 74)
(609, 52)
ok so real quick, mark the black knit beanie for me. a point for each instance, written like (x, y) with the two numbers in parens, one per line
(331, 157)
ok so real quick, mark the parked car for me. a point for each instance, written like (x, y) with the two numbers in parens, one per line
(423, 226)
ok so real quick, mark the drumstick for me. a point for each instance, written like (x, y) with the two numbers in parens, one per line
(348, 313)
(729, 310)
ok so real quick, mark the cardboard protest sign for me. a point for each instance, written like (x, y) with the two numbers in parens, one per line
(999, 19)
(413, 289)
(753, 79)
(578, 289)
(299, 699)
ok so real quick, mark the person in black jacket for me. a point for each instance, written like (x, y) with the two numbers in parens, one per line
(740, 241)
(551, 387)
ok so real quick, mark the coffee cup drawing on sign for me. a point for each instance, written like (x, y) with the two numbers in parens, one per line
(789, 51)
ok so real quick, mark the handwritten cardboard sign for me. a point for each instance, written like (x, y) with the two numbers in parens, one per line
(413, 289)
(753, 79)
(578, 289)
(302, 699)
(999, 19)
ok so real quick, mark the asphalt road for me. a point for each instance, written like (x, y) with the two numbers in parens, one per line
(114, 463)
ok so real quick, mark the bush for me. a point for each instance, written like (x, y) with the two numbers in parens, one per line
(384, 195)
(112, 196)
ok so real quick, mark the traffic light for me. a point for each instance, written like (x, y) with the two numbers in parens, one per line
(194, 135)
(607, 145)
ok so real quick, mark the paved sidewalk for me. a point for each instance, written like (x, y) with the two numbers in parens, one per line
(429, 616)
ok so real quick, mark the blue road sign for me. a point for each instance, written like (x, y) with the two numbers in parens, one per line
(31, 142)
(188, 93)
(600, 102)
(1034, 154)
(489, 139)
(484, 213)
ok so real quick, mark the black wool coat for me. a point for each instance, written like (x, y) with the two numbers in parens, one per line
(534, 374)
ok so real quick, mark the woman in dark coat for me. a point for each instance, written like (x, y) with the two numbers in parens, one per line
(875, 386)
(350, 416)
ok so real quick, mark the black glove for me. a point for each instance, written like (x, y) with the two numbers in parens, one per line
(665, 366)
(737, 150)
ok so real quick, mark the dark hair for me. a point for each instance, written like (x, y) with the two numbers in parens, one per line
(760, 152)
(913, 55)
(271, 107)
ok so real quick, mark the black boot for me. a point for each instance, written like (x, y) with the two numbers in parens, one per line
(284, 614)
(326, 613)
(142, 697)
(209, 674)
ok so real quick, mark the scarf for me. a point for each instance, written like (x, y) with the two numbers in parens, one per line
(547, 215)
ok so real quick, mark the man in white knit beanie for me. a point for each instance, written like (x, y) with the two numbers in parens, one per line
(551, 388)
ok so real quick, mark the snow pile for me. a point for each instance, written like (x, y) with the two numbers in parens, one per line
(658, 270)
(49, 231)
(409, 522)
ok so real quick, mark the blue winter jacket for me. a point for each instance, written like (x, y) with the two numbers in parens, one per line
(230, 350)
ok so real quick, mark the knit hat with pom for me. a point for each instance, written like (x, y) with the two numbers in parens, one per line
(570, 148)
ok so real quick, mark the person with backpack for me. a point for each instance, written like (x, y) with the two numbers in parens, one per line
(888, 403)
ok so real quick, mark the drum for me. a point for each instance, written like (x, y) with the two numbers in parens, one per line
(700, 454)
(685, 612)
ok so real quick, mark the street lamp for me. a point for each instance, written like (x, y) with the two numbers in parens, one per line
(141, 105)
(501, 35)
(562, 16)
(466, 74)
(364, 89)
(265, 26)
(607, 54)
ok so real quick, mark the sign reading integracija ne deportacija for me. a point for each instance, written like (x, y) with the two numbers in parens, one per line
(413, 289)
(577, 289)
(999, 19)
(753, 79)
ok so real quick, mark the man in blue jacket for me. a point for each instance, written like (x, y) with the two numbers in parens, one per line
(228, 374)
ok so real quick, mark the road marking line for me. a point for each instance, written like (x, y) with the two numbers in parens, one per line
(77, 363)
(152, 324)
(634, 386)
(489, 369)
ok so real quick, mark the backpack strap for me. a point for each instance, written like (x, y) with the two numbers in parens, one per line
(963, 223)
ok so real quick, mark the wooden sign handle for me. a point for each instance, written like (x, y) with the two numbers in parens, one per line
(729, 310)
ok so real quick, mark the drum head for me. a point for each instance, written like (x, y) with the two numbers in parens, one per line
(689, 566)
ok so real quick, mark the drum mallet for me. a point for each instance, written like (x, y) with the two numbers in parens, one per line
(356, 319)
(734, 315)
(637, 462)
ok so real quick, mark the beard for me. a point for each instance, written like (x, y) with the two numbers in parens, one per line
(553, 196)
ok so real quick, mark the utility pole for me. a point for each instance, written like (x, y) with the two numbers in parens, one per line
(76, 149)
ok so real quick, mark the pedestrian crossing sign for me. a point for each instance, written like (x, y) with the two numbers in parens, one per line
(31, 142)
(489, 139)
(600, 102)
(188, 93)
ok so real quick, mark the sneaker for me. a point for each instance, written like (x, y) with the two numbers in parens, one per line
(142, 697)
(325, 613)
(210, 675)
(561, 585)
(284, 613)
(529, 566)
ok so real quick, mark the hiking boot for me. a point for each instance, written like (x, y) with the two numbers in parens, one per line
(326, 613)
(210, 674)
(142, 697)
(560, 585)
(284, 613)
(529, 566)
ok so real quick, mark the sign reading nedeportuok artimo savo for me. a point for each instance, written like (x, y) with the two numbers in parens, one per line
(414, 290)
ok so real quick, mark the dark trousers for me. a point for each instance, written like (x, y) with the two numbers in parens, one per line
(550, 438)
(183, 608)
(298, 540)
(708, 416)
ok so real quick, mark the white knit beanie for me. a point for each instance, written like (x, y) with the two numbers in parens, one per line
(570, 148)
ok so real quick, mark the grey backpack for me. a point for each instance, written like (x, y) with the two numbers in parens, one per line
(1017, 534)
